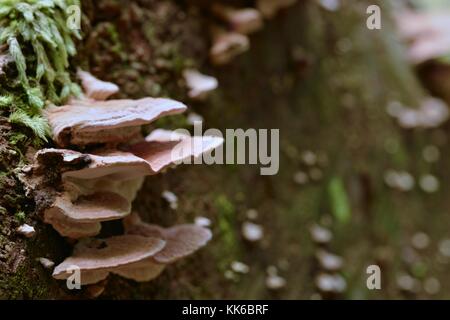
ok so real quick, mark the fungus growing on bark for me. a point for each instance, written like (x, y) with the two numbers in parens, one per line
(202, 222)
(329, 261)
(46, 263)
(182, 240)
(431, 114)
(141, 254)
(273, 280)
(200, 85)
(244, 21)
(320, 235)
(227, 45)
(81, 217)
(330, 283)
(252, 232)
(77, 216)
(95, 88)
(84, 122)
(426, 33)
(95, 258)
(171, 198)
(101, 185)
(26, 230)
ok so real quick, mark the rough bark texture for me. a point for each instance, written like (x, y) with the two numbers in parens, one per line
(324, 80)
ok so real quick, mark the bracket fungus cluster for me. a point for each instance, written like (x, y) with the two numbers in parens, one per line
(141, 254)
(230, 39)
(100, 179)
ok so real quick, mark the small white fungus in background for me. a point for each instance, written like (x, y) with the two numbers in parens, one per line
(26, 230)
(239, 267)
(46, 263)
(429, 183)
(331, 5)
(171, 198)
(420, 240)
(444, 248)
(252, 232)
(202, 222)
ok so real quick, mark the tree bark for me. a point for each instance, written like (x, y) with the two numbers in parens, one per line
(320, 77)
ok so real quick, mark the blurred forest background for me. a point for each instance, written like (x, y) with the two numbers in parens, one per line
(363, 180)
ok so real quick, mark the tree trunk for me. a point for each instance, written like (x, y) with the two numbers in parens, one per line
(324, 80)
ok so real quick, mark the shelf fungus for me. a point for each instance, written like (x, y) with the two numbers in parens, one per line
(141, 254)
(241, 20)
(426, 34)
(86, 121)
(199, 85)
(101, 185)
(227, 45)
(95, 258)
(95, 88)
(99, 182)
(181, 241)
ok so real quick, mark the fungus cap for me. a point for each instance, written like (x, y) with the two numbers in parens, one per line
(181, 240)
(67, 227)
(142, 271)
(97, 207)
(199, 85)
(241, 20)
(227, 45)
(99, 256)
(426, 33)
(94, 88)
(84, 122)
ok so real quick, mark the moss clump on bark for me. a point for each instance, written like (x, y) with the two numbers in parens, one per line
(39, 40)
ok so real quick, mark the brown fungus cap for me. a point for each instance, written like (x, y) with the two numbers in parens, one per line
(227, 45)
(84, 122)
(142, 271)
(160, 149)
(94, 88)
(97, 207)
(78, 212)
(241, 20)
(182, 240)
(115, 165)
(128, 189)
(145, 158)
(427, 34)
(95, 258)
(68, 227)
(164, 148)
(200, 85)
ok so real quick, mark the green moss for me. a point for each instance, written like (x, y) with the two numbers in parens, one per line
(228, 238)
(18, 286)
(40, 42)
(339, 200)
(20, 216)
